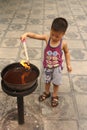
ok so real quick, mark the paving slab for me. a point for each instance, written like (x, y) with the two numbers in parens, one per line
(20, 16)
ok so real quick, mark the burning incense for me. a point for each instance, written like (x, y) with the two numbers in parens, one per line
(25, 49)
(23, 62)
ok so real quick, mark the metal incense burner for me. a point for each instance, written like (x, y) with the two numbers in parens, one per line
(19, 82)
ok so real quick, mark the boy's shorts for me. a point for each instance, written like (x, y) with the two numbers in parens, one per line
(53, 75)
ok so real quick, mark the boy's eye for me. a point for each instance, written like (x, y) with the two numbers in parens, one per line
(55, 35)
(52, 34)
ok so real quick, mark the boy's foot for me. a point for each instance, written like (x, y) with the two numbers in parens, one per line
(44, 96)
(54, 101)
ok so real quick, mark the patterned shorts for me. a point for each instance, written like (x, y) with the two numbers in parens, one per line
(53, 75)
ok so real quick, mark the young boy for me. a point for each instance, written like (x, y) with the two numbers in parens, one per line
(52, 61)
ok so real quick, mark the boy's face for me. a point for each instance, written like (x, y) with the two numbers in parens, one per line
(56, 36)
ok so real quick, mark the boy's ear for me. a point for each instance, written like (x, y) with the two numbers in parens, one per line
(63, 33)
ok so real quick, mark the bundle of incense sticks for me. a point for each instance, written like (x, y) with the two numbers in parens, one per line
(26, 52)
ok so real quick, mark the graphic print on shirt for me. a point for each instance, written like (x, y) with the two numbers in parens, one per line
(52, 58)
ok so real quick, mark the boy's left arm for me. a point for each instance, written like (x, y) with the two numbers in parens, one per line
(67, 57)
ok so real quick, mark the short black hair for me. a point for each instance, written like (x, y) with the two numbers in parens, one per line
(59, 24)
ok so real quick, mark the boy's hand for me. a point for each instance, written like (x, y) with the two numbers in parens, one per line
(23, 37)
(69, 68)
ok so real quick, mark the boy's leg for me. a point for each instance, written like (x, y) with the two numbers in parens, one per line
(45, 94)
(57, 78)
(54, 99)
(47, 88)
(55, 90)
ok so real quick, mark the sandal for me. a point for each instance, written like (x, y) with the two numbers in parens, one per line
(44, 96)
(54, 101)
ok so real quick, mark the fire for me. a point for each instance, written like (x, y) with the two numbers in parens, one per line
(23, 77)
(25, 64)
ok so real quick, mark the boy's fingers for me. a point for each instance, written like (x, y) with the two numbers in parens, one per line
(22, 39)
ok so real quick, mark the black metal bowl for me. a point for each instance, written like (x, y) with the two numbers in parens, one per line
(12, 83)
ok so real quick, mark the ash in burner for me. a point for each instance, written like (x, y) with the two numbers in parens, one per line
(20, 75)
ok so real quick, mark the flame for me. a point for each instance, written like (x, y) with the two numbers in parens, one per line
(25, 64)
(23, 77)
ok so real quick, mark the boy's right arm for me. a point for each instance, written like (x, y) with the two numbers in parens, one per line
(34, 36)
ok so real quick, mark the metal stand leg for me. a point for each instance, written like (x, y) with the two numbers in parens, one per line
(20, 105)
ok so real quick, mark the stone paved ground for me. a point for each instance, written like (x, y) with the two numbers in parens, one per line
(19, 16)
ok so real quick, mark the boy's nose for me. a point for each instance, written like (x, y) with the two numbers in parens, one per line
(53, 38)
